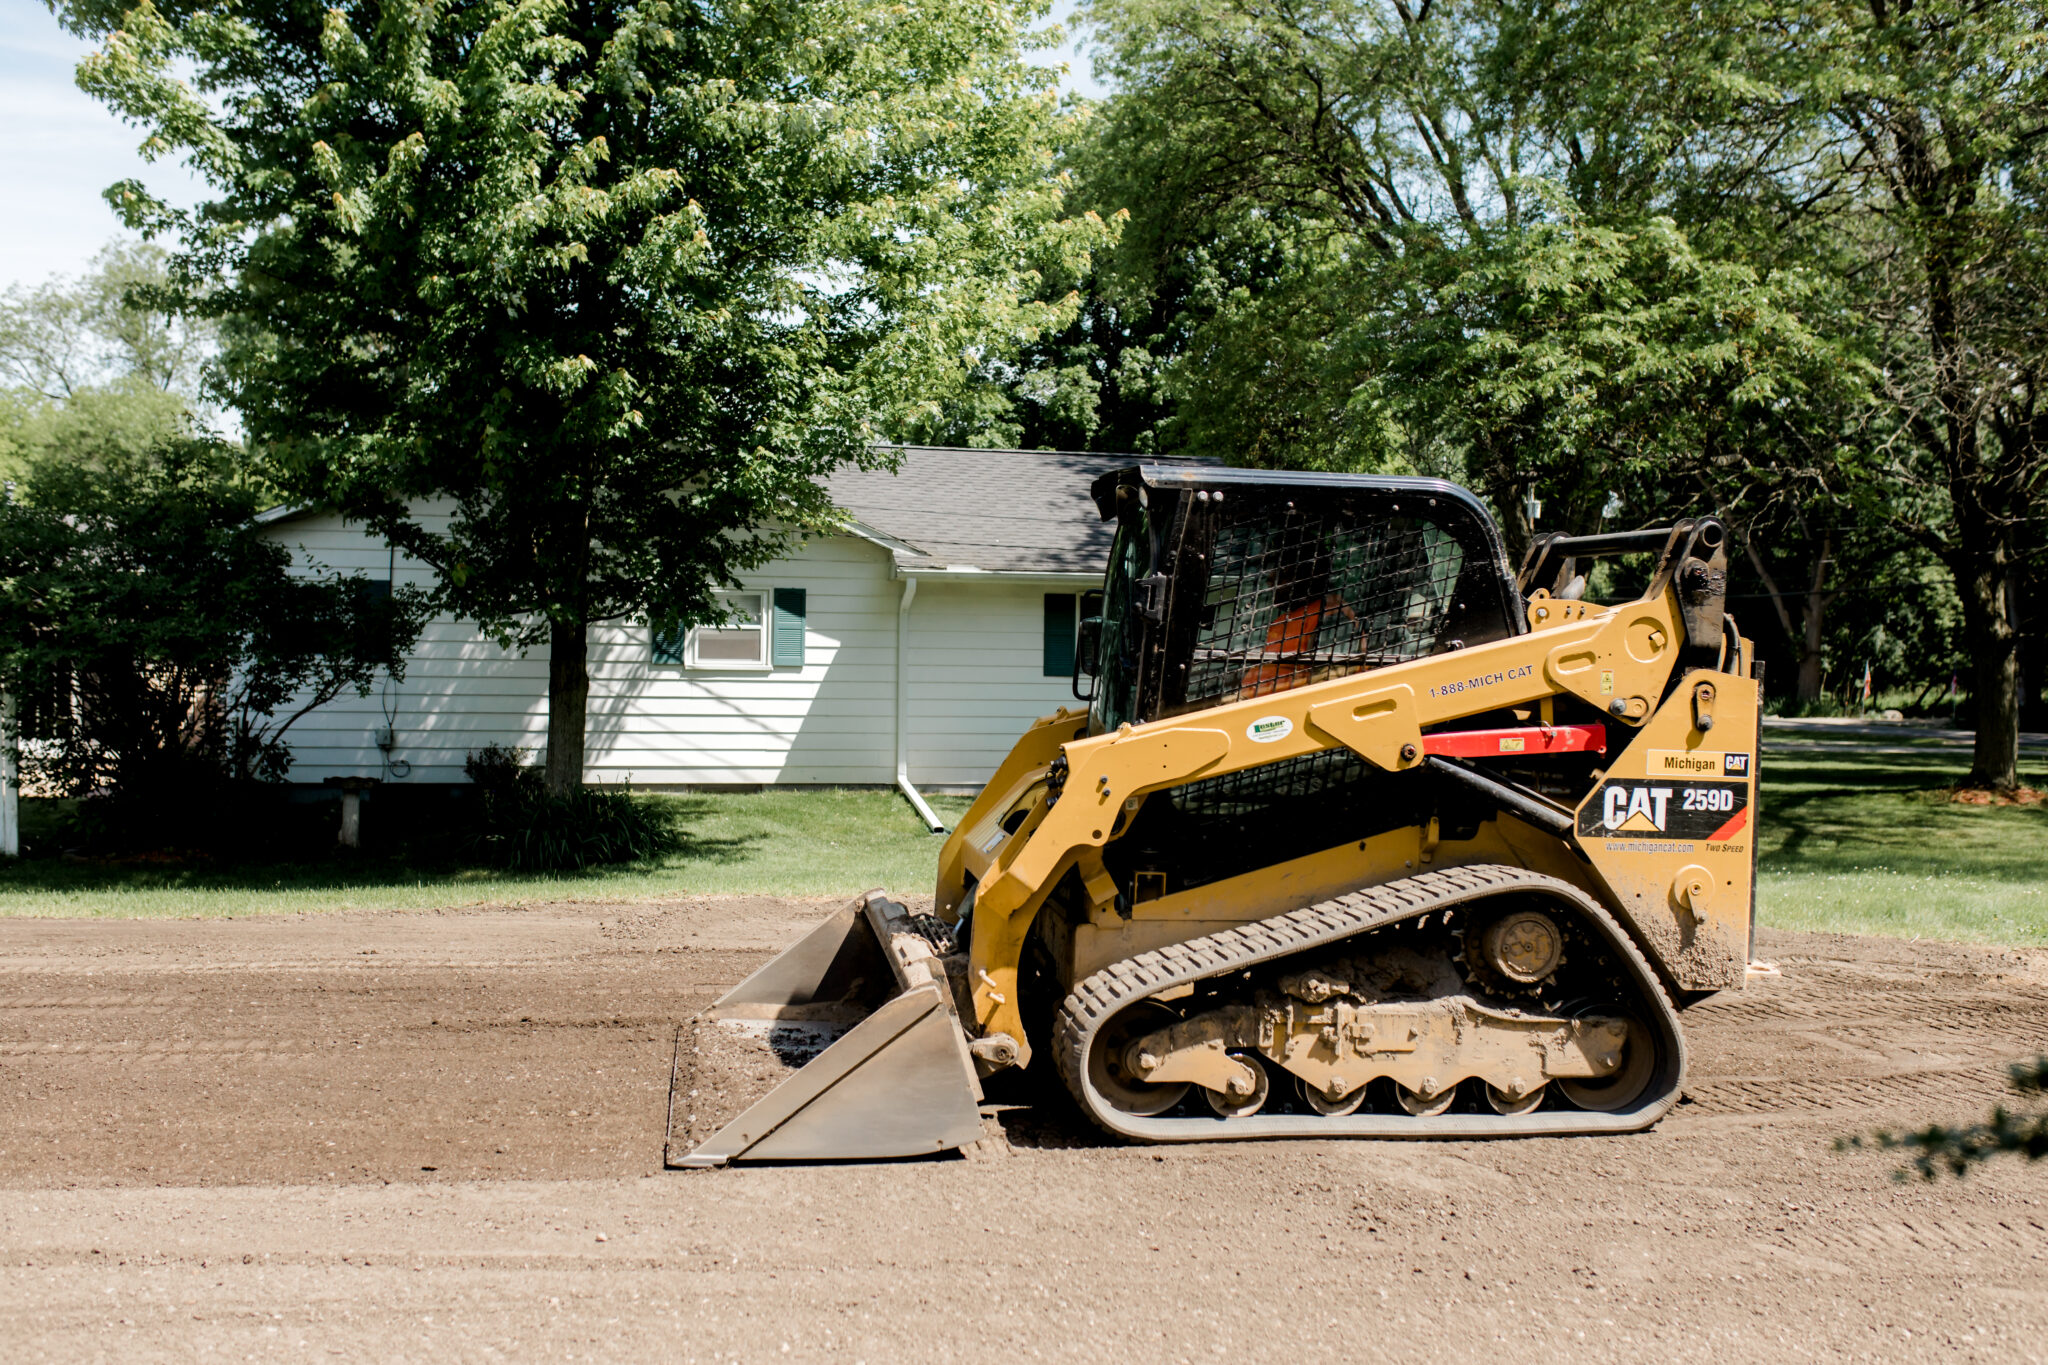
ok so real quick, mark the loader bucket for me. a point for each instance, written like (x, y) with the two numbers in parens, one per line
(895, 1077)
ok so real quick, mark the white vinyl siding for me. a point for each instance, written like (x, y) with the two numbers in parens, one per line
(976, 676)
(974, 665)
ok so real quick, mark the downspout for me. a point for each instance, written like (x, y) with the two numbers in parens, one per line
(917, 801)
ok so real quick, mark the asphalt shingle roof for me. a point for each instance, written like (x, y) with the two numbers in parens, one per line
(1006, 511)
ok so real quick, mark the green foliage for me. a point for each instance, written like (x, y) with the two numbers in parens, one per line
(520, 826)
(161, 648)
(1094, 384)
(114, 322)
(1959, 1150)
(1781, 262)
(618, 281)
(100, 425)
(1882, 599)
(1444, 238)
(95, 370)
(1912, 139)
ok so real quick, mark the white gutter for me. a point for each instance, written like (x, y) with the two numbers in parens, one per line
(284, 511)
(917, 801)
(1074, 581)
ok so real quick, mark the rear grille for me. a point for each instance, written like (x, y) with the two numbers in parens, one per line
(1255, 791)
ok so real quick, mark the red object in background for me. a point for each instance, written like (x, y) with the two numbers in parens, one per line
(1293, 632)
(1518, 743)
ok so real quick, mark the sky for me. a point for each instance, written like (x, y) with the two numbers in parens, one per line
(62, 148)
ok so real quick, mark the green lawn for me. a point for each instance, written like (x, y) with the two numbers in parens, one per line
(782, 843)
(1851, 843)
(1864, 844)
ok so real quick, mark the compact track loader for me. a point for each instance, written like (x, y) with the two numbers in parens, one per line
(1361, 833)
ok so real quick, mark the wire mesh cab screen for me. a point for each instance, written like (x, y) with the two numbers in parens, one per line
(1278, 579)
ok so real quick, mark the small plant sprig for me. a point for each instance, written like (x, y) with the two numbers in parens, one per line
(1957, 1150)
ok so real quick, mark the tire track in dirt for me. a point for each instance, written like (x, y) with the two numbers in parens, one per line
(2017, 1235)
(265, 1139)
(1872, 1094)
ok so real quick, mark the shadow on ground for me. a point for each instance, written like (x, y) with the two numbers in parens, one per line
(428, 856)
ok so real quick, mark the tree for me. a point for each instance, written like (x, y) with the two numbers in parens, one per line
(1931, 180)
(617, 282)
(1783, 261)
(96, 368)
(1093, 384)
(68, 336)
(161, 646)
(1453, 237)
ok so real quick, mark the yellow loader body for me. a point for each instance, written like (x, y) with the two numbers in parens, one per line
(1547, 845)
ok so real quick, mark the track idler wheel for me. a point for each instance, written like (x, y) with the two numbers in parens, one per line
(1621, 1088)
(1112, 1073)
(1505, 1103)
(1324, 1105)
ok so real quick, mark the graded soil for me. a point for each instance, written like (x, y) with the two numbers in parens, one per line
(439, 1137)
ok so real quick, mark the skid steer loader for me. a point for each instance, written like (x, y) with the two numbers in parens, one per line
(1360, 833)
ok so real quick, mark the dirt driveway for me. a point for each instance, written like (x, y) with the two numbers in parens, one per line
(436, 1137)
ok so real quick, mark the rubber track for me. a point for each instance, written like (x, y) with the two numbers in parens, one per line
(1095, 1000)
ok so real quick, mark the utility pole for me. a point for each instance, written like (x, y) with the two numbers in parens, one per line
(10, 783)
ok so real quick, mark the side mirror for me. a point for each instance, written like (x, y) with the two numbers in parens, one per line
(1088, 645)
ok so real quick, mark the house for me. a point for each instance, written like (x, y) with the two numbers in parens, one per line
(909, 649)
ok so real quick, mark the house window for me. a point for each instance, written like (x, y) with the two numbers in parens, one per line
(1060, 618)
(763, 629)
(43, 711)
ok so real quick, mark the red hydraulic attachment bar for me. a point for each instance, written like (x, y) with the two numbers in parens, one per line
(1523, 742)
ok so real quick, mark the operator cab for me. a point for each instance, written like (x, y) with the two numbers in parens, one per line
(1226, 584)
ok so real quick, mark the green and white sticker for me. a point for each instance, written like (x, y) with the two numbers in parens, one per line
(1266, 729)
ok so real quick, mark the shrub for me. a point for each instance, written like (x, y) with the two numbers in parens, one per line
(521, 827)
(161, 647)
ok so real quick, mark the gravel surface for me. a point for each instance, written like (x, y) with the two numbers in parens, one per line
(721, 1069)
(439, 1136)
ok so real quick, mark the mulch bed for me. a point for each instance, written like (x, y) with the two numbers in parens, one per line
(1984, 796)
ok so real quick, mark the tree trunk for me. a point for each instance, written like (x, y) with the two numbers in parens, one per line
(568, 705)
(1812, 614)
(1813, 608)
(1812, 619)
(1993, 644)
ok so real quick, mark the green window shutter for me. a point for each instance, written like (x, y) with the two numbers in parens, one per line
(787, 650)
(1059, 635)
